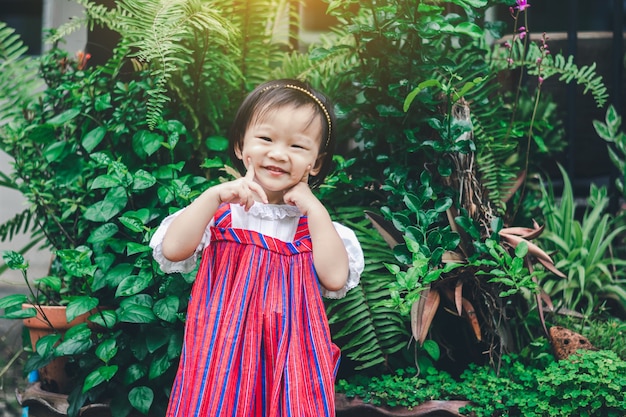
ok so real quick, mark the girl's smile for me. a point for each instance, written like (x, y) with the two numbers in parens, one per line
(283, 147)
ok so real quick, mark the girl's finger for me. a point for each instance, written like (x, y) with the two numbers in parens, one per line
(250, 171)
(258, 190)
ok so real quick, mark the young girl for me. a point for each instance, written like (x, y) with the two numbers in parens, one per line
(257, 341)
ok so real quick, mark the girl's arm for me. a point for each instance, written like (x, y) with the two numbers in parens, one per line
(329, 253)
(186, 231)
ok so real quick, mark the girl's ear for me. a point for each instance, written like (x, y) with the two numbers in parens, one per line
(318, 165)
(237, 151)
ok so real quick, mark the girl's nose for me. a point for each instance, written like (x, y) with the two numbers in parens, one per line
(278, 152)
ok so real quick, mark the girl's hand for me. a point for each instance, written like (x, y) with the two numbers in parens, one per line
(243, 191)
(301, 196)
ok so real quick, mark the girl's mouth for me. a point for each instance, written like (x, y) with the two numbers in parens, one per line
(275, 170)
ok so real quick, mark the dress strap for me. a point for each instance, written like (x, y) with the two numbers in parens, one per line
(302, 232)
(222, 216)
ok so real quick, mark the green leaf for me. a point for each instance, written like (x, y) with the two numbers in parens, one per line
(54, 151)
(115, 275)
(80, 305)
(443, 204)
(93, 138)
(106, 350)
(104, 318)
(133, 224)
(142, 180)
(134, 313)
(145, 142)
(217, 143)
(45, 346)
(133, 284)
(100, 375)
(105, 181)
(13, 300)
(159, 366)
(103, 233)
(77, 340)
(102, 211)
(134, 373)
(102, 102)
(14, 260)
(521, 249)
(167, 308)
(432, 348)
(66, 116)
(141, 398)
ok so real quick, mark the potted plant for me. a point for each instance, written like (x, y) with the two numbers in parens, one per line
(102, 154)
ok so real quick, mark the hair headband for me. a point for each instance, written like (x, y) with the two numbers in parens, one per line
(310, 94)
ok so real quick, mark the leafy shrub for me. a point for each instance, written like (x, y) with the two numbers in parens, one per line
(589, 383)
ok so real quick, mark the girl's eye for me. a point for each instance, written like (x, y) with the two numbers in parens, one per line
(295, 145)
(266, 139)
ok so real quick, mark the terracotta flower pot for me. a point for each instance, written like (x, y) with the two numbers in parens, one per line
(53, 376)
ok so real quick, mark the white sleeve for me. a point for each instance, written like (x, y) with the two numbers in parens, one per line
(356, 261)
(186, 265)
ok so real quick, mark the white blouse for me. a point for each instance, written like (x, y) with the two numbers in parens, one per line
(277, 221)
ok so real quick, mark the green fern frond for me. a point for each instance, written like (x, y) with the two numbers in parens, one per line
(367, 332)
(20, 223)
(15, 65)
(551, 65)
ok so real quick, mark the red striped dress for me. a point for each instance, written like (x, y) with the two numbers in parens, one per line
(257, 341)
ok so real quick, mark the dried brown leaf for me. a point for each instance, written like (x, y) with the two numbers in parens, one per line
(422, 314)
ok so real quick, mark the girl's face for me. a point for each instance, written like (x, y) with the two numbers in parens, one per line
(283, 147)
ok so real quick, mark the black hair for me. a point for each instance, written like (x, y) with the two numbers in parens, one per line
(278, 93)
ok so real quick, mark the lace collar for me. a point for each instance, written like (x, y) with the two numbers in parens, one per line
(273, 211)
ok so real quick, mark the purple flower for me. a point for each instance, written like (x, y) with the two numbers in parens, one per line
(522, 5)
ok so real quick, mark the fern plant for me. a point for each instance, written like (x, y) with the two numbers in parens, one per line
(192, 46)
(371, 335)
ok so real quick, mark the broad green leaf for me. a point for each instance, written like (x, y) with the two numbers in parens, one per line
(102, 102)
(66, 116)
(145, 142)
(103, 233)
(104, 318)
(13, 300)
(105, 181)
(93, 138)
(100, 375)
(14, 260)
(141, 398)
(133, 284)
(133, 248)
(77, 340)
(217, 143)
(133, 224)
(45, 346)
(80, 305)
(106, 350)
(54, 151)
(102, 211)
(432, 348)
(136, 314)
(167, 308)
(134, 373)
(142, 180)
